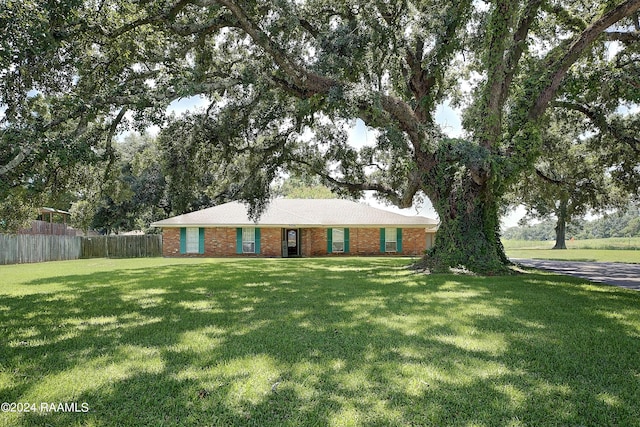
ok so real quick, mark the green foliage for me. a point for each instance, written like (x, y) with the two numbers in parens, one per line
(304, 188)
(16, 212)
(623, 223)
(569, 181)
(283, 79)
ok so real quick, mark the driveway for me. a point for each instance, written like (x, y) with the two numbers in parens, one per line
(618, 274)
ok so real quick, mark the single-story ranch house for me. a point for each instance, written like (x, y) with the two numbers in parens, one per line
(296, 227)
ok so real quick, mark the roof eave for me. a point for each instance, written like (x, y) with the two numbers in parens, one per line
(201, 225)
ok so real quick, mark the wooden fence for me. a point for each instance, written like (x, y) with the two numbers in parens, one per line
(52, 228)
(23, 248)
(149, 245)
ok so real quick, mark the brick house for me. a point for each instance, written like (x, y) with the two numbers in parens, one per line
(294, 228)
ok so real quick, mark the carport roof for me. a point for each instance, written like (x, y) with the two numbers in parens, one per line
(298, 213)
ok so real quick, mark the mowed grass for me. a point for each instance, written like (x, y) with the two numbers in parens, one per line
(626, 250)
(338, 342)
(585, 255)
(612, 243)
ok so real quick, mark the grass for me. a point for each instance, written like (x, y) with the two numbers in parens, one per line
(626, 250)
(586, 255)
(613, 243)
(288, 342)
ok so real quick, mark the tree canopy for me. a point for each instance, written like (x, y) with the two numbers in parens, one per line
(572, 178)
(285, 77)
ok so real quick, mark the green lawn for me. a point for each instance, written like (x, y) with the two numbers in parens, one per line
(625, 250)
(591, 255)
(613, 243)
(288, 342)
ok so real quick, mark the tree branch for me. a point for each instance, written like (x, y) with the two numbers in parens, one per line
(423, 80)
(290, 68)
(305, 84)
(560, 66)
(19, 158)
(519, 43)
(548, 179)
(404, 200)
(601, 122)
(503, 61)
(624, 37)
(574, 23)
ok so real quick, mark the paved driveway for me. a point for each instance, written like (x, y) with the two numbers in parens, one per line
(618, 274)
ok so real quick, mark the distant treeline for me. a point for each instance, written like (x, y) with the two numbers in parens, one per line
(626, 224)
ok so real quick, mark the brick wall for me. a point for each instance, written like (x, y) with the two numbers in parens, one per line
(364, 241)
(170, 242)
(414, 241)
(271, 242)
(221, 242)
(318, 241)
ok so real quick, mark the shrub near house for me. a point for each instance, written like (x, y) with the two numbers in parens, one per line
(296, 227)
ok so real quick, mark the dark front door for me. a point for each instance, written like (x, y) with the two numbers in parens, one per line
(292, 239)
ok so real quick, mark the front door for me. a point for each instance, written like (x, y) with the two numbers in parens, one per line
(292, 240)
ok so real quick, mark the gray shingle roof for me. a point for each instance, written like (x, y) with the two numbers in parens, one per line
(298, 213)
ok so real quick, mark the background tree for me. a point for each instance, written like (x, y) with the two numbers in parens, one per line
(303, 187)
(569, 181)
(280, 70)
(131, 193)
(624, 222)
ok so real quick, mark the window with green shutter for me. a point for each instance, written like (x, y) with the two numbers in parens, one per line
(390, 240)
(346, 240)
(337, 244)
(238, 240)
(191, 240)
(337, 240)
(247, 240)
(201, 241)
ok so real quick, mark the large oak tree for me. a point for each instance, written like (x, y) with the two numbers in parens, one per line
(284, 77)
(571, 179)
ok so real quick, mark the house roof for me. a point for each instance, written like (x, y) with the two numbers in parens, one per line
(297, 213)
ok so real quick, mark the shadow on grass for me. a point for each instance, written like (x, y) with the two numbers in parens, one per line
(321, 342)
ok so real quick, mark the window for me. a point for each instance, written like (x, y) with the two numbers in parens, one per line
(248, 240)
(337, 240)
(292, 238)
(390, 240)
(337, 244)
(192, 240)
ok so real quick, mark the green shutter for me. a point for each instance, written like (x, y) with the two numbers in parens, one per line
(239, 240)
(201, 241)
(346, 240)
(329, 240)
(257, 237)
(399, 240)
(382, 241)
(183, 240)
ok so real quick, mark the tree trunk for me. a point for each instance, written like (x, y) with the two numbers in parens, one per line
(468, 236)
(561, 226)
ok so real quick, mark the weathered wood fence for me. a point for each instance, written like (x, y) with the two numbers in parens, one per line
(149, 245)
(53, 228)
(22, 248)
